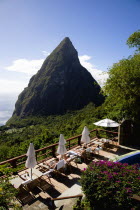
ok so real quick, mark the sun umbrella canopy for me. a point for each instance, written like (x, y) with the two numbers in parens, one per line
(62, 141)
(85, 135)
(31, 160)
(61, 147)
(107, 123)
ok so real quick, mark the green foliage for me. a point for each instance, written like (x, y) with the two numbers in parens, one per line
(7, 191)
(110, 185)
(123, 89)
(44, 131)
(134, 40)
(82, 205)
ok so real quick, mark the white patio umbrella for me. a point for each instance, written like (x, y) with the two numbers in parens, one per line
(107, 123)
(85, 135)
(61, 147)
(31, 160)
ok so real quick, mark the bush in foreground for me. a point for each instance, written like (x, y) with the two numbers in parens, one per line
(110, 185)
(7, 191)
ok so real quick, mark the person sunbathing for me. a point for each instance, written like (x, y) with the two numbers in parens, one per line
(52, 164)
(98, 148)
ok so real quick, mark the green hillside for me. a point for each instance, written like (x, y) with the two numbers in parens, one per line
(16, 136)
(122, 91)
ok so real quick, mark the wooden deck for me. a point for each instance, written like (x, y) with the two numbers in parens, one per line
(64, 181)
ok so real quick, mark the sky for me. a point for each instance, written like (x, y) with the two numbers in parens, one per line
(31, 29)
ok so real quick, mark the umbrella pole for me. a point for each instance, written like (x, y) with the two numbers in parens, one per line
(31, 173)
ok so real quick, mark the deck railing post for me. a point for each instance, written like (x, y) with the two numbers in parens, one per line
(97, 133)
(79, 140)
(13, 163)
(53, 151)
(69, 145)
(36, 156)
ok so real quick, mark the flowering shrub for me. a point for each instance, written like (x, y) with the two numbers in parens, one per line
(111, 185)
(7, 191)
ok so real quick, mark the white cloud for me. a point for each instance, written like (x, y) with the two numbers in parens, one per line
(10, 89)
(45, 53)
(12, 86)
(26, 66)
(99, 75)
(30, 67)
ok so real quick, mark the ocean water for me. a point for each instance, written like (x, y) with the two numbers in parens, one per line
(7, 104)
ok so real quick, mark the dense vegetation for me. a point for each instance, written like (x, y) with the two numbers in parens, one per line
(7, 191)
(134, 40)
(123, 85)
(105, 184)
(123, 101)
(44, 131)
(112, 185)
(123, 89)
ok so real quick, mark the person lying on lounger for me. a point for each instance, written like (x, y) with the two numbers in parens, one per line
(52, 164)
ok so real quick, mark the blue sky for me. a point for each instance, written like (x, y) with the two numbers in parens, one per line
(31, 29)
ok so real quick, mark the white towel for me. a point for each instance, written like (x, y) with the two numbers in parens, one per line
(72, 153)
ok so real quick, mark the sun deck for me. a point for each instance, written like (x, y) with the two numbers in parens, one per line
(63, 184)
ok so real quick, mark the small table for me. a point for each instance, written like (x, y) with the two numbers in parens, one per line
(106, 140)
(26, 175)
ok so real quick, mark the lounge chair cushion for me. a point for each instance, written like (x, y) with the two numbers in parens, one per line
(60, 164)
(48, 172)
(26, 182)
(72, 153)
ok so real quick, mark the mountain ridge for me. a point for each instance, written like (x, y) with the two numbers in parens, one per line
(61, 84)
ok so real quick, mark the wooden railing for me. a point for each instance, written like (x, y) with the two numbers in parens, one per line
(50, 151)
(136, 199)
(63, 198)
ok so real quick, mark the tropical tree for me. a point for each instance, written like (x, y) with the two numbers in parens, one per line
(134, 40)
(123, 88)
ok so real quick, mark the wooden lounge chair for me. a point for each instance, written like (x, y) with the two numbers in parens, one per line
(106, 146)
(26, 182)
(43, 184)
(23, 196)
(114, 140)
(70, 160)
(84, 156)
(43, 168)
(33, 187)
(48, 174)
(89, 153)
